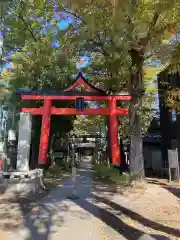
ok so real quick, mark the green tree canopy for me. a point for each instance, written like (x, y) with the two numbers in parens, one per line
(120, 36)
(37, 64)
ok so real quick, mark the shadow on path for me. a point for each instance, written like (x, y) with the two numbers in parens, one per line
(40, 222)
(110, 220)
(137, 217)
(174, 190)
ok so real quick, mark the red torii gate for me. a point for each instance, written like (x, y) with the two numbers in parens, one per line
(91, 94)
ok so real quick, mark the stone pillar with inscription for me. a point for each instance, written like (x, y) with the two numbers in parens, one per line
(24, 142)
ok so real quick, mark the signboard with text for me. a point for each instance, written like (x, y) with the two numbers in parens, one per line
(173, 158)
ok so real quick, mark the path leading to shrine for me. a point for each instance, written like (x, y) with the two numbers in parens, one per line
(101, 214)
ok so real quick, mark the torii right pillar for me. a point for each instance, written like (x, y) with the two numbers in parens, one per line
(113, 132)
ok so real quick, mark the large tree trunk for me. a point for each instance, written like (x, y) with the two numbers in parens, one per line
(136, 89)
(136, 151)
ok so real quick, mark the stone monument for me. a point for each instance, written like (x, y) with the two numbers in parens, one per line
(22, 181)
(24, 142)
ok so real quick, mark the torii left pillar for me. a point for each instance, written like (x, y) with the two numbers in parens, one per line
(45, 131)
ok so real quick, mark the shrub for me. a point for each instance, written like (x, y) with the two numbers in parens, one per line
(108, 173)
(53, 171)
(56, 169)
(66, 166)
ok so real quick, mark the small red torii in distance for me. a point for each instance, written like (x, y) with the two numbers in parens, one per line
(91, 94)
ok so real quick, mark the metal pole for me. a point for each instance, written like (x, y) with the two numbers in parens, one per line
(13, 116)
(5, 149)
(74, 190)
(1, 50)
(3, 5)
(1, 117)
(178, 175)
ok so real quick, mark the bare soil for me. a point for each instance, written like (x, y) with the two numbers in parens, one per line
(152, 208)
(13, 210)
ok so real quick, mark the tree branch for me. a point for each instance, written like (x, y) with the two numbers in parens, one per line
(28, 27)
(98, 44)
(155, 33)
(101, 45)
(74, 15)
(144, 41)
(146, 57)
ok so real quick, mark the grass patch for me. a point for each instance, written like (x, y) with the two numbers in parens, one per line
(61, 166)
(55, 170)
(110, 174)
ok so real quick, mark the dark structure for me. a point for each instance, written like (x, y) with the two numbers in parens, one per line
(152, 149)
(169, 120)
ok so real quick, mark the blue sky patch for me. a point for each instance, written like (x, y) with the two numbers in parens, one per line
(63, 25)
(84, 62)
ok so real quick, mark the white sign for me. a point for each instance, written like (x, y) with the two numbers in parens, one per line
(173, 158)
(11, 135)
(74, 174)
(1, 146)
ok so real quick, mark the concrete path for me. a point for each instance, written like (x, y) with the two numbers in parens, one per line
(62, 218)
(86, 218)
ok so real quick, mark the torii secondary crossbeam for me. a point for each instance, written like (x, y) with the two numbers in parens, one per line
(72, 93)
